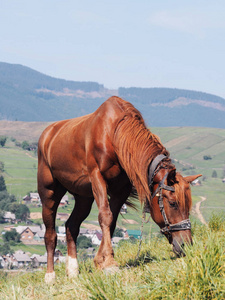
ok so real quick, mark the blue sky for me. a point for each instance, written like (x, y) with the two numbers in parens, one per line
(177, 44)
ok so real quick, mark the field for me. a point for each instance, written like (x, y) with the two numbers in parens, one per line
(155, 274)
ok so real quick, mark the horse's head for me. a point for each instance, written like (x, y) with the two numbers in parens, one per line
(170, 206)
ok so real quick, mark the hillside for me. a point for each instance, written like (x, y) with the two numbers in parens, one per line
(187, 146)
(155, 274)
(28, 95)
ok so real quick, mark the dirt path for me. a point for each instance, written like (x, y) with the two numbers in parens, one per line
(196, 210)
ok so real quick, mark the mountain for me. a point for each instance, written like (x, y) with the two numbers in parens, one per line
(28, 95)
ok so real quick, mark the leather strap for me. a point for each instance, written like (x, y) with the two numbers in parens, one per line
(154, 165)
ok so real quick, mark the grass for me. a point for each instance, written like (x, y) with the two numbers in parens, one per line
(156, 274)
(20, 170)
(37, 249)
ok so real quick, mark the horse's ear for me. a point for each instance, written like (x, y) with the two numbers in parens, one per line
(171, 178)
(192, 178)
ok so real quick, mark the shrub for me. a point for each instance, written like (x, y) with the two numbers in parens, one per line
(3, 140)
(207, 157)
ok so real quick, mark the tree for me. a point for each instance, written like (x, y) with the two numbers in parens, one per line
(118, 232)
(2, 216)
(62, 247)
(25, 145)
(214, 174)
(6, 201)
(12, 235)
(5, 249)
(84, 242)
(3, 140)
(21, 211)
(2, 166)
(207, 157)
(2, 184)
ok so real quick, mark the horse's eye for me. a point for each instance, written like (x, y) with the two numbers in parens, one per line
(173, 204)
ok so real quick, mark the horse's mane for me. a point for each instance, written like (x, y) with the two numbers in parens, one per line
(136, 146)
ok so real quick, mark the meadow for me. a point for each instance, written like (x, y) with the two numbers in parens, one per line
(155, 274)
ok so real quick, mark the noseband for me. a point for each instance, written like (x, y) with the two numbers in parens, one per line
(153, 170)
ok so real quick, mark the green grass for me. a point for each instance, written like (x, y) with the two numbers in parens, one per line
(20, 170)
(156, 274)
(37, 249)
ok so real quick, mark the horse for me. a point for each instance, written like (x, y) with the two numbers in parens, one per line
(103, 156)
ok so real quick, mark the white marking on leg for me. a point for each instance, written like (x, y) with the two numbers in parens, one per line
(50, 278)
(72, 267)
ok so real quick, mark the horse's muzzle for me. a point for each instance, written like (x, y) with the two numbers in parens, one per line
(178, 249)
(179, 244)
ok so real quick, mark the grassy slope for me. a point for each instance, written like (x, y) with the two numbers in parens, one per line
(156, 274)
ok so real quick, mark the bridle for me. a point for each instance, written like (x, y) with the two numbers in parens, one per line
(153, 170)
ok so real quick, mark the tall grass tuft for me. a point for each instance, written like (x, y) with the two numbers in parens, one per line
(216, 221)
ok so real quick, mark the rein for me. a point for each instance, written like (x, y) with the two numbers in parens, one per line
(153, 170)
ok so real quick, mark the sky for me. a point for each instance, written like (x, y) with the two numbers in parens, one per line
(119, 43)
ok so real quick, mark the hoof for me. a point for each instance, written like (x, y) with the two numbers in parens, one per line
(72, 268)
(50, 278)
(111, 270)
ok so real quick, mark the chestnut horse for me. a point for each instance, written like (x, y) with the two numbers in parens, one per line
(102, 156)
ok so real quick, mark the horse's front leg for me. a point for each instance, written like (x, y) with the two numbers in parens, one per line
(105, 256)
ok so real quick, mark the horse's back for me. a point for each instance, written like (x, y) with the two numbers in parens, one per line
(57, 130)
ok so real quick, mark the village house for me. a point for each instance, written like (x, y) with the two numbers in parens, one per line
(34, 198)
(8, 262)
(64, 201)
(196, 182)
(22, 259)
(26, 199)
(9, 217)
(123, 209)
(83, 231)
(61, 237)
(61, 234)
(61, 229)
(95, 236)
(39, 236)
(27, 233)
(38, 260)
(134, 233)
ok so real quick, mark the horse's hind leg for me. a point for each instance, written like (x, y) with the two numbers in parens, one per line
(80, 212)
(50, 193)
(116, 202)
